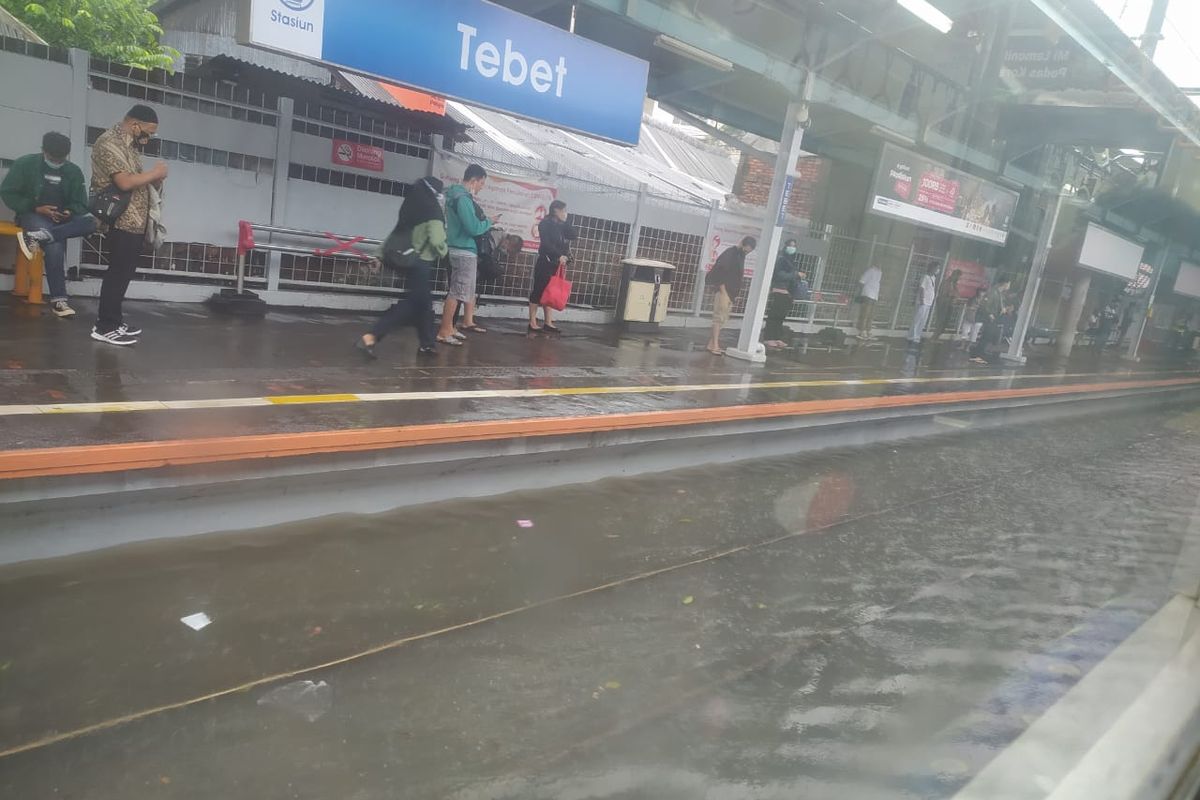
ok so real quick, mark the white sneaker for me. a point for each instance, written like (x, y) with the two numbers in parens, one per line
(60, 309)
(31, 241)
(125, 329)
(113, 337)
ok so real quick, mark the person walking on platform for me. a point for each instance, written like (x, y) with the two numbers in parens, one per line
(48, 194)
(926, 294)
(868, 295)
(415, 245)
(781, 299)
(990, 311)
(947, 303)
(555, 236)
(464, 221)
(116, 163)
(725, 279)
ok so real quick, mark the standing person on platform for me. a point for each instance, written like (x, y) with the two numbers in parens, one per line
(554, 250)
(464, 221)
(781, 299)
(116, 162)
(1109, 317)
(868, 296)
(421, 225)
(990, 310)
(926, 294)
(947, 302)
(725, 279)
(48, 195)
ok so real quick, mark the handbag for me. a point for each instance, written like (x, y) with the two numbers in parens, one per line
(109, 204)
(558, 290)
(399, 253)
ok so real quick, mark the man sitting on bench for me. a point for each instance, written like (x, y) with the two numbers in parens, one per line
(49, 196)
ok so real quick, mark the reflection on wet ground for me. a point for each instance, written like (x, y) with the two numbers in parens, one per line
(868, 623)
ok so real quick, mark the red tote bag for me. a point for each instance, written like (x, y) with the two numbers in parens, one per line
(557, 291)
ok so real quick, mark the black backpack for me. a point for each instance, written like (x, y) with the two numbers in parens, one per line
(488, 267)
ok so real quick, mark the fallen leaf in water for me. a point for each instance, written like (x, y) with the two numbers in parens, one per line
(164, 780)
(612, 685)
(687, 601)
(685, 520)
(761, 605)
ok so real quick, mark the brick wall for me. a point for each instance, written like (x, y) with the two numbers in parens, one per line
(753, 184)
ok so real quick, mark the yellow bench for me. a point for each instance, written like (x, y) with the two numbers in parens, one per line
(29, 274)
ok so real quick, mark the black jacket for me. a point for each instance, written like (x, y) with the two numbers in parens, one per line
(556, 237)
(728, 271)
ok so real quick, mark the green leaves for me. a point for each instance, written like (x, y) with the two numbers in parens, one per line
(119, 30)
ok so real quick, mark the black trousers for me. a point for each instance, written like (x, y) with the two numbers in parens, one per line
(124, 251)
(415, 308)
(543, 270)
(778, 307)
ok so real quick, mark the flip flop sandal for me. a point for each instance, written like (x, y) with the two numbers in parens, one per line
(450, 340)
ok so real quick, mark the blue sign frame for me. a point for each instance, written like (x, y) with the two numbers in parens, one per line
(469, 50)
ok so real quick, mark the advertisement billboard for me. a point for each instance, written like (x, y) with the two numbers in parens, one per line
(1187, 282)
(514, 205)
(917, 189)
(469, 50)
(1106, 252)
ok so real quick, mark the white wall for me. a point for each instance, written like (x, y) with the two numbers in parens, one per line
(317, 207)
(35, 97)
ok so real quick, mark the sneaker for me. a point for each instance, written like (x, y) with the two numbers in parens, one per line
(129, 330)
(427, 350)
(60, 309)
(31, 241)
(113, 337)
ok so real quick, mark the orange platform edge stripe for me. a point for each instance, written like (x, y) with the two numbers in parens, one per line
(95, 459)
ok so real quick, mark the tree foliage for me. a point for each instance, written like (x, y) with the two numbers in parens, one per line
(126, 31)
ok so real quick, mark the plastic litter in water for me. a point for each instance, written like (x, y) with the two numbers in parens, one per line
(196, 621)
(525, 523)
(305, 698)
(687, 601)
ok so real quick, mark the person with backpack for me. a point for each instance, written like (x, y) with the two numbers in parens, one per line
(414, 246)
(554, 249)
(464, 222)
(725, 280)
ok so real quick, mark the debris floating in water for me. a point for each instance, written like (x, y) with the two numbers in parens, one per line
(525, 523)
(687, 601)
(196, 621)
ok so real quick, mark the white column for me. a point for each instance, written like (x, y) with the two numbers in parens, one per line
(80, 64)
(279, 181)
(748, 347)
(635, 231)
(1079, 293)
(698, 294)
(1033, 283)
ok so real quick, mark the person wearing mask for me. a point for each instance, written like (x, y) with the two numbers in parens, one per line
(554, 250)
(464, 221)
(990, 311)
(421, 226)
(947, 301)
(48, 195)
(926, 294)
(868, 296)
(725, 279)
(781, 298)
(116, 162)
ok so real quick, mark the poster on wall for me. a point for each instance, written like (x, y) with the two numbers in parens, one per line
(515, 205)
(972, 276)
(916, 189)
(728, 232)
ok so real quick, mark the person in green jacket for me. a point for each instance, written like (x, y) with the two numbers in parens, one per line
(420, 213)
(46, 191)
(464, 221)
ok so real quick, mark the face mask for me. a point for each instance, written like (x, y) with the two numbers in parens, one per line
(791, 251)
(53, 165)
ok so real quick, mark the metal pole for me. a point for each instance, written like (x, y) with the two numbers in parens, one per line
(1135, 343)
(912, 252)
(1033, 284)
(698, 293)
(1154, 27)
(749, 348)
(635, 231)
(241, 271)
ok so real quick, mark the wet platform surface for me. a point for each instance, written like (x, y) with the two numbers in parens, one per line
(304, 360)
(875, 623)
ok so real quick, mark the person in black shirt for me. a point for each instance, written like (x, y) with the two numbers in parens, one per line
(725, 279)
(554, 251)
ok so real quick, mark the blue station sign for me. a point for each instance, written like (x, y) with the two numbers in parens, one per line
(468, 50)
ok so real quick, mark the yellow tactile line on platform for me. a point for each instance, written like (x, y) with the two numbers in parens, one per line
(477, 394)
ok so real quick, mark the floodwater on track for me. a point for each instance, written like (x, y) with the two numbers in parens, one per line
(867, 623)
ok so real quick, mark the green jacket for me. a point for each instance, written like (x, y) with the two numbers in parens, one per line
(462, 224)
(428, 239)
(23, 185)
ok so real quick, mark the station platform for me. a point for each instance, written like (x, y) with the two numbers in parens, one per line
(196, 376)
